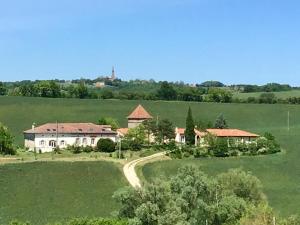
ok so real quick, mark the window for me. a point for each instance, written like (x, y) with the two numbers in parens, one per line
(77, 142)
(52, 143)
(182, 139)
(62, 143)
(92, 141)
(84, 142)
(42, 143)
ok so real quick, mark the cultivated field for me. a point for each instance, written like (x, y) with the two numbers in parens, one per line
(280, 174)
(45, 192)
(281, 95)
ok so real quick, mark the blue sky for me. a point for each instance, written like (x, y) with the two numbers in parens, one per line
(234, 41)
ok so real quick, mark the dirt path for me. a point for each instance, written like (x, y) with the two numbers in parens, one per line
(129, 169)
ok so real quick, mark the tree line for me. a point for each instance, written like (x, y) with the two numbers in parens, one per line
(210, 91)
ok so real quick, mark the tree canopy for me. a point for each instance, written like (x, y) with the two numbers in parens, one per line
(221, 122)
(191, 197)
(6, 141)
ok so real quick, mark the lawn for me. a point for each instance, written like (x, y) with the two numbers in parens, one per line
(280, 174)
(45, 192)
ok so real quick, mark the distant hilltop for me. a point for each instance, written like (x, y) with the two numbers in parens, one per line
(111, 87)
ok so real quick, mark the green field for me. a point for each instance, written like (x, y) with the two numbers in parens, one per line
(280, 174)
(50, 191)
(281, 95)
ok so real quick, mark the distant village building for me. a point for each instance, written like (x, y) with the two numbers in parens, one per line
(99, 84)
(112, 77)
(46, 137)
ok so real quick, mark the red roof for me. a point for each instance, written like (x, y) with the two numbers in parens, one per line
(123, 131)
(139, 113)
(71, 128)
(181, 131)
(230, 133)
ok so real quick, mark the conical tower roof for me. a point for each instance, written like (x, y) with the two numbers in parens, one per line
(139, 113)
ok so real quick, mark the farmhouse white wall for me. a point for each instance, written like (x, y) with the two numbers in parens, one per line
(44, 142)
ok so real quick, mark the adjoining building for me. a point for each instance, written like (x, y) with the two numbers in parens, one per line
(235, 134)
(46, 137)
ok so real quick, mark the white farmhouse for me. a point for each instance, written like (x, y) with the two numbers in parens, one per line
(46, 137)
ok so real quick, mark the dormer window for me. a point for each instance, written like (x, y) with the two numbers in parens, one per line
(80, 129)
(48, 130)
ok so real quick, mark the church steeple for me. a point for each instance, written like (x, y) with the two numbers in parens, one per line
(113, 76)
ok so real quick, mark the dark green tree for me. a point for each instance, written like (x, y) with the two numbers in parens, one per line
(221, 122)
(6, 141)
(106, 145)
(82, 90)
(190, 128)
(3, 89)
(165, 130)
(166, 91)
(150, 128)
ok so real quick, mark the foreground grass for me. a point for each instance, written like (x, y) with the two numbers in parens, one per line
(279, 173)
(45, 192)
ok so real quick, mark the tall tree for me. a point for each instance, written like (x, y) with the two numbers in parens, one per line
(166, 91)
(165, 130)
(221, 122)
(6, 141)
(82, 90)
(3, 89)
(150, 128)
(135, 137)
(189, 128)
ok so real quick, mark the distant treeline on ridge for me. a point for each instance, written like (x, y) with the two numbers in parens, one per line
(107, 88)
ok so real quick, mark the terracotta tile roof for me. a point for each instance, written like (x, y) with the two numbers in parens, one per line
(122, 131)
(197, 132)
(230, 133)
(200, 133)
(71, 128)
(139, 113)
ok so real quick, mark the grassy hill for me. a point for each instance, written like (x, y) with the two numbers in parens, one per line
(48, 192)
(281, 95)
(280, 174)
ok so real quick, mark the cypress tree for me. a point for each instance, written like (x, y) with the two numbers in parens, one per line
(189, 128)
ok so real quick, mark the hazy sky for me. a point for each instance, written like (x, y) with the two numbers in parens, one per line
(234, 41)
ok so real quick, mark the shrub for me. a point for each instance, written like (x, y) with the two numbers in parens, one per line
(56, 150)
(200, 152)
(75, 149)
(221, 148)
(106, 145)
(87, 149)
